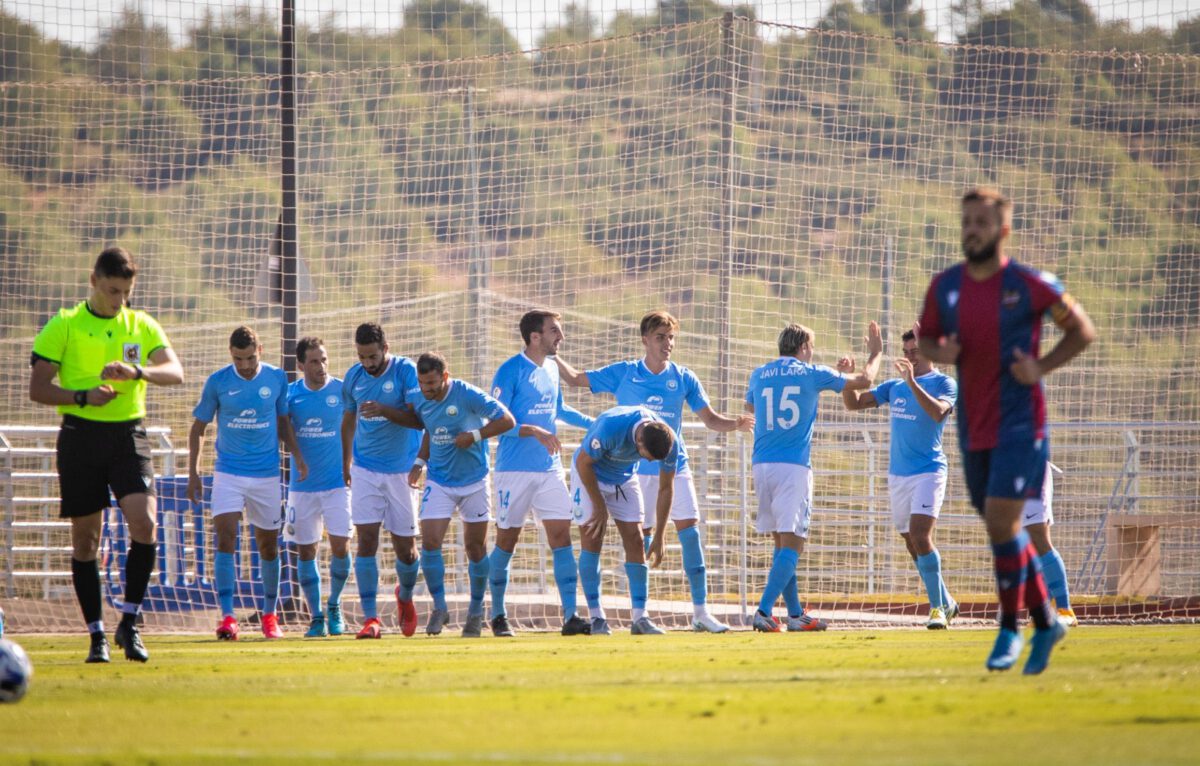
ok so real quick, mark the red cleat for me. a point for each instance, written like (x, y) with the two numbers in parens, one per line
(228, 629)
(371, 629)
(408, 614)
(270, 626)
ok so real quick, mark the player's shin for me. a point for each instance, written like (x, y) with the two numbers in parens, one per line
(639, 588)
(929, 566)
(310, 584)
(499, 560)
(339, 573)
(434, 567)
(270, 579)
(1011, 564)
(477, 572)
(366, 575)
(226, 580)
(1054, 571)
(566, 577)
(589, 578)
(693, 565)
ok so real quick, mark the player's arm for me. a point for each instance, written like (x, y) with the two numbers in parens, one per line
(585, 469)
(856, 399)
(863, 380)
(195, 490)
(349, 424)
(495, 427)
(662, 512)
(573, 417)
(419, 463)
(164, 369)
(938, 409)
(401, 416)
(715, 421)
(1078, 332)
(570, 375)
(287, 436)
(43, 389)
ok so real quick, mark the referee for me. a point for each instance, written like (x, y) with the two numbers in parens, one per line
(103, 354)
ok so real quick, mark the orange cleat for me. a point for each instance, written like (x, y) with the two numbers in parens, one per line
(228, 629)
(371, 629)
(408, 614)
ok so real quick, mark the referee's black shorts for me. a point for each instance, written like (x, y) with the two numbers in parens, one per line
(94, 457)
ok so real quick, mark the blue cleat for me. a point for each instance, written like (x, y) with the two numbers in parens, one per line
(334, 620)
(1040, 646)
(316, 628)
(1006, 651)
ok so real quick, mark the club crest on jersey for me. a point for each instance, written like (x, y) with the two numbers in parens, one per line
(899, 401)
(388, 386)
(132, 353)
(672, 385)
(952, 298)
(247, 413)
(496, 391)
(451, 410)
(265, 392)
(331, 400)
(1010, 298)
(1019, 483)
(655, 402)
(595, 444)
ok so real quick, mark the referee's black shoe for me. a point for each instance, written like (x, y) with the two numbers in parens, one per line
(128, 638)
(99, 650)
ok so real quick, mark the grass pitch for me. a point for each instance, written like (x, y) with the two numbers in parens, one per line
(1121, 695)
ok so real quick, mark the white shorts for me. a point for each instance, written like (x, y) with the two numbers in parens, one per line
(383, 498)
(473, 501)
(1041, 510)
(519, 491)
(785, 496)
(624, 502)
(308, 513)
(921, 494)
(684, 506)
(259, 496)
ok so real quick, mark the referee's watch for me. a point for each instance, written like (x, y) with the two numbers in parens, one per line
(138, 372)
(81, 398)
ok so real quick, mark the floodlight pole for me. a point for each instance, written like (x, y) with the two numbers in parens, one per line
(288, 231)
(725, 217)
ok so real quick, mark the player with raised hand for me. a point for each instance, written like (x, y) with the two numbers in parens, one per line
(380, 438)
(1002, 409)
(919, 400)
(603, 485)
(784, 395)
(248, 399)
(321, 501)
(104, 355)
(657, 383)
(458, 418)
(529, 467)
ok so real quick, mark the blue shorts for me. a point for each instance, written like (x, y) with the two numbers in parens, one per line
(1013, 471)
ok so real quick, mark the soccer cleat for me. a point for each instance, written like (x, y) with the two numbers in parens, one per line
(371, 629)
(98, 652)
(937, 619)
(642, 626)
(1067, 617)
(270, 626)
(128, 638)
(228, 629)
(501, 628)
(805, 623)
(1006, 650)
(951, 612)
(764, 623)
(1041, 645)
(706, 623)
(334, 620)
(473, 627)
(438, 618)
(316, 628)
(576, 626)
(599, 627)
(408, 614)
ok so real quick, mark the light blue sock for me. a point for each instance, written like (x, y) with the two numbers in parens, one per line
(693, 564)
(310, 583)
(339, 572)
(270, 580)
(929, 566)
(566, 576)
(791, 597)
(226, 580)
(639, 588)
(1054, 572)
(366, 574)
(434, 567)
(589, 578)
(498, 578)
(406, 577)
(477, 571)
(783, 572)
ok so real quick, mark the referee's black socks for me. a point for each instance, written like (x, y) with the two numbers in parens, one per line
(138, 566)
(85, 575)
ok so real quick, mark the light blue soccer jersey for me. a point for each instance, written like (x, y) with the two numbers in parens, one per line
(379, 444)
(246, 412)
(465, 408)
(317, 420)
(916, 438)
(533, 395)
(610, 443)
(663, 394)
(785, 395)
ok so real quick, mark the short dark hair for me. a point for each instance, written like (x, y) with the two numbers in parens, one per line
(430, 362)
(655, 319)
(792, 339)
(368, 333)
(115, 262)
(534, 321)
(657, 438)
(993, 197)
(907, 336)
(304, 344)
(243, 337)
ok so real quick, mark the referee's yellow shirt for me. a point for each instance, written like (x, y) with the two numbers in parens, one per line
(81, 343)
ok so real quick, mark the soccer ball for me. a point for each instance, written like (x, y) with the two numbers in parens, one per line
(15, 671)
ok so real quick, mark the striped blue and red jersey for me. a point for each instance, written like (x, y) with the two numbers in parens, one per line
(992, 318)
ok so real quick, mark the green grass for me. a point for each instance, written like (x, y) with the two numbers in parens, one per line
(1122, 695)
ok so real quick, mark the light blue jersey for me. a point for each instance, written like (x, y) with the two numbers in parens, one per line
(246, 412)
(533, 395)
(379, 444)
(610, 443)
(784, 394)
(317, 420)
(465, 408)
(664, 394)
(916, 438)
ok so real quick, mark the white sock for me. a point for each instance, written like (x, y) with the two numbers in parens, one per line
(597, 613)
(700, 610)
(638, 614)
